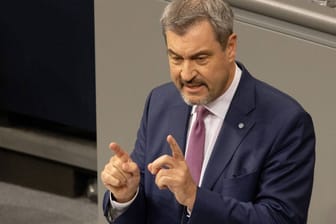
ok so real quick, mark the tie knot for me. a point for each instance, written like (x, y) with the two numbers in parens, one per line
(202, 112)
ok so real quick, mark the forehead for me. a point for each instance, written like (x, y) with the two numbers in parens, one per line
(199, 36)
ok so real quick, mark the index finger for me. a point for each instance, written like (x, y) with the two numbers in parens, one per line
(119, 152)
(176, 150)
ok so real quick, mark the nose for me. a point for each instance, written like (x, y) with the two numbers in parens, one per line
(188, 71)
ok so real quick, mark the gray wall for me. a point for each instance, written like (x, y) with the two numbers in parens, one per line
(306, 70)
(130, 60)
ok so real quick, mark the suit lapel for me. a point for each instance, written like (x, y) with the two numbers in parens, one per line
(237, 124)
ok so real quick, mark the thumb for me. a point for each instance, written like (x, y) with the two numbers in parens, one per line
(176, 150)
(131, 167)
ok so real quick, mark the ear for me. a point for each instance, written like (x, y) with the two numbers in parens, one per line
(231, 47)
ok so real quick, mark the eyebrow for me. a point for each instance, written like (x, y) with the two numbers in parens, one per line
(194, 56)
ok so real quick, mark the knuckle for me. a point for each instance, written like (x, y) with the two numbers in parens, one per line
(112, 159)
(106, 166)
(116, 182)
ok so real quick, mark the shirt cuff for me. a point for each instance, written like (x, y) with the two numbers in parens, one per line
(121, 207)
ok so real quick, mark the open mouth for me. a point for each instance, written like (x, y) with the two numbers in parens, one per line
(193, 88)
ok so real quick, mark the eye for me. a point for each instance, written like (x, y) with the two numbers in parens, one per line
(202, 59)
(176, 59)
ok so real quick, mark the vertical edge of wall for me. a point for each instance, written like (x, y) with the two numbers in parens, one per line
(130, 61)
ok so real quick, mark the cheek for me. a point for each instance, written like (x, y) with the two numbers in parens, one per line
(209, 75)
(216, 78)
(174, 72)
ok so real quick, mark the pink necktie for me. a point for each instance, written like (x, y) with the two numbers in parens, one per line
(195, 153)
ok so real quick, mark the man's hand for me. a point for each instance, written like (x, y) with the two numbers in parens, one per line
(121, 175)
(172, 172)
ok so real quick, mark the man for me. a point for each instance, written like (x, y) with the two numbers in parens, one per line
(259, 147)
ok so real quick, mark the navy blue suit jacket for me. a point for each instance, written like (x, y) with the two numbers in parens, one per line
(259, 172)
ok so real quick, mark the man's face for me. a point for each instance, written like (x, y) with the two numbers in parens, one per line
(200, 68)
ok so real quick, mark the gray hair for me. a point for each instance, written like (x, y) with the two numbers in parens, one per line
(179, 15)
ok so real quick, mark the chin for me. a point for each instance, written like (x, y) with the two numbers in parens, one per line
(191, 100)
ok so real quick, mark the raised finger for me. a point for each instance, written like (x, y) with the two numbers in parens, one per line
(176, 150)
(119, 152)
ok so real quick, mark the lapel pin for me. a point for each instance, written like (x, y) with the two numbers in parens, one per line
(241, 125)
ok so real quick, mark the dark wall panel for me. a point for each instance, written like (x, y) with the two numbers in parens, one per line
(47, 60)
